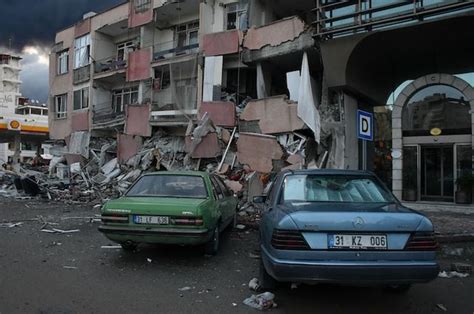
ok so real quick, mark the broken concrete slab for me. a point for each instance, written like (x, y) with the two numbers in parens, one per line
(221, 113)
(127, 147)
(136, 118)
(275, 115)
(258, 151)
(274, 34)
(209, 146)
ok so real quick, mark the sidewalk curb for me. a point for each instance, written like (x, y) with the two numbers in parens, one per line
(455, 237)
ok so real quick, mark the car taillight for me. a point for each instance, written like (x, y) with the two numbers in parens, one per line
(196, 221)
(422, 242)
(114, 218)
(289, 240)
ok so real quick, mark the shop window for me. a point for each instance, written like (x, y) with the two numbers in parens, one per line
(436, 107)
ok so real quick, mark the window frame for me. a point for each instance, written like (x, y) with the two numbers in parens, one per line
(84, 98)
(189, 27)
(60, 56)
(122, 93)
(124, 48)
(60, 114)
(82, 48)
(159, 81)
(219, 193)
(240, 9)
(141, 6)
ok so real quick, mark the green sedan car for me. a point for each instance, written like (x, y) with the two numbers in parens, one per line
(182, 208)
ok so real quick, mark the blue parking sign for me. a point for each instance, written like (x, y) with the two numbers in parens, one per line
(365, 125)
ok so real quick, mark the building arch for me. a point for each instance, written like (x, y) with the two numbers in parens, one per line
(401, 101)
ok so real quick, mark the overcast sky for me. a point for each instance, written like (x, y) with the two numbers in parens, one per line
(28, 27)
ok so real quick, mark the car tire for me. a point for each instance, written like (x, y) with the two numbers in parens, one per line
(267, 282)
(399, 288)
(128, 246)
(212, 246)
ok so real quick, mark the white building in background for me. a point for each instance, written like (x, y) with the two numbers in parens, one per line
(22, 122)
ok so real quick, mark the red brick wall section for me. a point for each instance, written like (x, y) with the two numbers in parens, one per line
(139, 65)
(80, 121)
(222, 43)
(138, 19)
(128, 146)
(222, 113)
(81, 28)
(137, 120)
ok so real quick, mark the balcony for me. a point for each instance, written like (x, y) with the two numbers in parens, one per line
(109, 65)
(171, 49)
(81, 75)
(105, 116)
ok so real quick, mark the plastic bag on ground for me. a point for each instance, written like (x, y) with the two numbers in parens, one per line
(263, 301)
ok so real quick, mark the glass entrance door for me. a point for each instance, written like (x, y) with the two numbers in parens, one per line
(437, 173)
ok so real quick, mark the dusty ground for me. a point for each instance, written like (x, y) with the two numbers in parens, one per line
(71, 273)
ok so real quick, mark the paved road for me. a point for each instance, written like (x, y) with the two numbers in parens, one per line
(34, 279)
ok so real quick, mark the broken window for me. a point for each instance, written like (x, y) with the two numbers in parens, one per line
(60, 106)
(123, 49)
(81, 51)
(186, 35)
(236, 15)
(62, 62)
(81, 99)
(142, 5)
(162, 78)
(124, 96)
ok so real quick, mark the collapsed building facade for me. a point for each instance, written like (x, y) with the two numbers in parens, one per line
(248, 88)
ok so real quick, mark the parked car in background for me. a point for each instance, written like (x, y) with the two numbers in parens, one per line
(183, 208)
(343, 227)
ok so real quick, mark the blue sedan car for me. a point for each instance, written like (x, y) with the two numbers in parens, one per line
(344, 227)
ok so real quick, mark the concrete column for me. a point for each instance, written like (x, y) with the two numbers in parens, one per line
(351, 151)
(17, 152)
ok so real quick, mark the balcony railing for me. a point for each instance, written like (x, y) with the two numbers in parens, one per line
(81, 75)
(107, 114)
(109, 64)
(171, 49)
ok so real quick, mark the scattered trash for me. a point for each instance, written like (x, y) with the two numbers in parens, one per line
(253, 255)
(461, 268)
(54, 230)
(263, 301)
(452, 274)
(111, 247)
(234, 304)
(10, 224)
(453, 251)
(184, 288)
(254, 284)
(69, 267)
(149, 260)
(240, 227)
(442, 307)
(294, 286)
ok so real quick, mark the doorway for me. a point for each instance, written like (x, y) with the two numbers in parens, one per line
(437, 173)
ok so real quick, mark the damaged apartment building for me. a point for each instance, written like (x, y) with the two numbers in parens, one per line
(224, 84)
(249, 86)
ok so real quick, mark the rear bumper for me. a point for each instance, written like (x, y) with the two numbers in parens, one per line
(156, 235)
(350, 272)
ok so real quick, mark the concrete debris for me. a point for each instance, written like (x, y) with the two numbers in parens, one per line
(111, 247)
(254, 284)
(452, 274)
(69, 267)
(184, 289)
(10, 224)
(442, 307)
(54, 230)
(263, 301)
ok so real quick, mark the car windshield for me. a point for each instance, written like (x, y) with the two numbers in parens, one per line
(334, 188)
(180, 186)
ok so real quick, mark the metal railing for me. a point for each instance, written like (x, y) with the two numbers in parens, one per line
(171, 49)
(338, 18)
(107, 113)
(82, 74)
(109, 64)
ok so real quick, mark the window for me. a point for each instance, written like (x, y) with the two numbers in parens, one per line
(123, 49)
(62, 62)
(223, 187)
(334, 188)
(81, 51)
(142, 5)
(217, 188)
(187, 34)
(162, 78)
(125, 96)
(60, 106)
(81, 98)
(236, 16)
(179, 186)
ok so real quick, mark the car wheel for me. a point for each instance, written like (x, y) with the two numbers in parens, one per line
(267, 282)
(212, 246)
(399, 288)
(128, 246)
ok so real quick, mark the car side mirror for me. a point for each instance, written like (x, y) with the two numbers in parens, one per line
(259, 199)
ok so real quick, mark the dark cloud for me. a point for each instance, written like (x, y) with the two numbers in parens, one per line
(33, 22)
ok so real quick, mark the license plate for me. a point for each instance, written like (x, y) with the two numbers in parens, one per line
(358, 241)
(151, 220)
